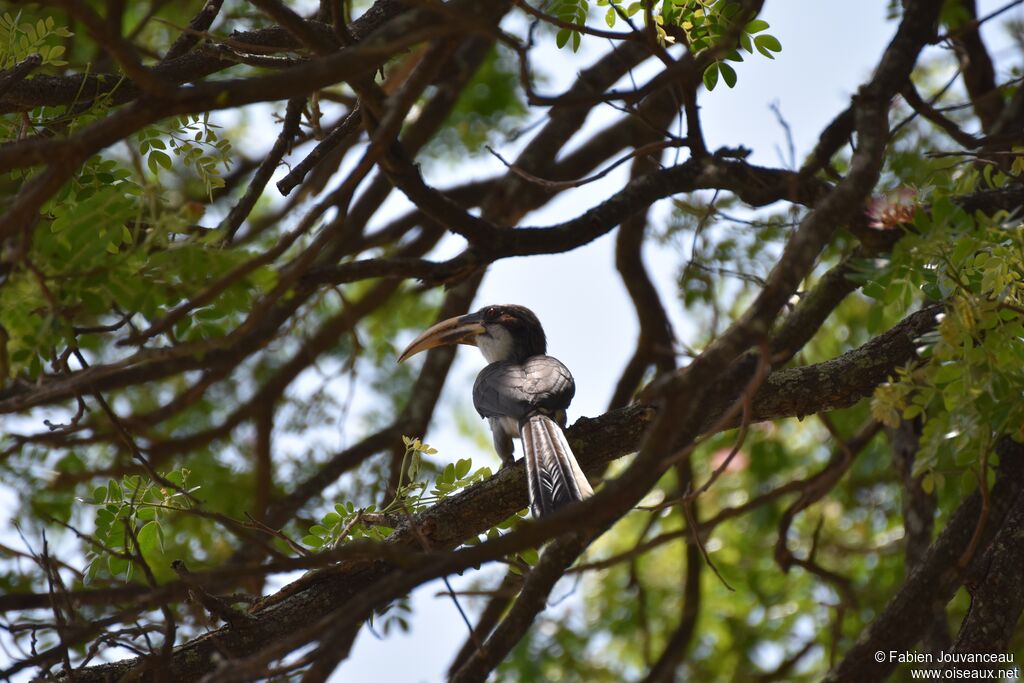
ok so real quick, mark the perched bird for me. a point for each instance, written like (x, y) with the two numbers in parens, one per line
(523, 393)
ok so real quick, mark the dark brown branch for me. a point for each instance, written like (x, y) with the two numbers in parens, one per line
(240, 211)
(341, 132)
(977, 69)
(755, 185)
(927, 111)
(199, 24)
(211, 603)
(18, 72)
(188, 67)
(843, 381)
(297, 26)
(352, 63)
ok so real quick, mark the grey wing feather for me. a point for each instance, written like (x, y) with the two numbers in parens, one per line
(499, 391)
(505, 389)
(549, 382)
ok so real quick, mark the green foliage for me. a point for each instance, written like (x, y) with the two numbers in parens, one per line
(572, 11)
(194, 140)
(704, 23)
(88, 264)
(347, 523)
(967, 390)
(129, 524)
(19, 39)
(342, 525)
(111, 226)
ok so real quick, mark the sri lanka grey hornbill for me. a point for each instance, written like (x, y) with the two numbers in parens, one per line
(523, 393)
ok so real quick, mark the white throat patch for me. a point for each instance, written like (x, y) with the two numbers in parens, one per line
(495, 344)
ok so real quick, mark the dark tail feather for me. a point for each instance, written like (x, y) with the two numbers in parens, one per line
(554, 476)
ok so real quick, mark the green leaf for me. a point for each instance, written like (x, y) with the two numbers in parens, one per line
(104, 518)
(90, 573)
(157, 160)
(766, 44)
(947, 373)
(728, 74)
(756, 26)
(968, 483)
(149, 539)
(117, 565)
(711, 76)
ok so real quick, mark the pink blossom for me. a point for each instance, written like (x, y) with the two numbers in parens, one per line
(890, 211)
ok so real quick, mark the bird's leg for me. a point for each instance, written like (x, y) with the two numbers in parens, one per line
(505, 448)
(502, 442)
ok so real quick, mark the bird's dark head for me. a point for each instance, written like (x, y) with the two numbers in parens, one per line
(502, 332)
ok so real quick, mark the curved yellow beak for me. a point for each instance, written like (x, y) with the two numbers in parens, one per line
(459, 330)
